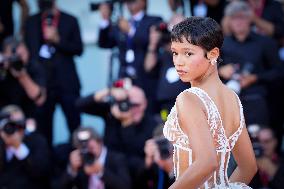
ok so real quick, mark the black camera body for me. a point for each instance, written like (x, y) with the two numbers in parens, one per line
(123, 105)
(257, 148)
(10, 127)
(88, 158)
(253, 134)
(164, 147)
(14, 61)
(83, 137)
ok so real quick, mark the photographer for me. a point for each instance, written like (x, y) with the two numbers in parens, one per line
(24, 157)
(269, 162)
(251, 63)
(158, 170)
(132, 39)
(53, 38)
(21, 80)
(127, 123)
(93, 165)
(159, 59)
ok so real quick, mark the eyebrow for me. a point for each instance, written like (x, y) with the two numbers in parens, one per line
(184, 49)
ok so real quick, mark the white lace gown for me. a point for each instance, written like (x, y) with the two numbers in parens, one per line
(182, 156)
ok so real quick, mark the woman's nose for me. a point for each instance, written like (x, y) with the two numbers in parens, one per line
(179, 61)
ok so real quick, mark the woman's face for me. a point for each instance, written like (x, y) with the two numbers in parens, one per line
(189, 60)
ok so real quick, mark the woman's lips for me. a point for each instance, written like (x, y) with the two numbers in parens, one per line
(181, 72)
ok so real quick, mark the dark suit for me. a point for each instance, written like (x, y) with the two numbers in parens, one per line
(115, 176)
(62, 80)
(112, 36)
(29, 173)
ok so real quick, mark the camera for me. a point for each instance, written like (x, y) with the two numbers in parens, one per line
(10, 127)
(83, 137)
(14, 61)
(253, 133)
(164, 147)
(123, 105)
(234, 83)
(162, 27)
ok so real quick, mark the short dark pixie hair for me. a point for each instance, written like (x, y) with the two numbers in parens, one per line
(203, 32)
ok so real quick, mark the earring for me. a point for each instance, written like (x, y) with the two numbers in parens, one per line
(213, 62)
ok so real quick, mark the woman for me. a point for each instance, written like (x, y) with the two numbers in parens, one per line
(207, 121)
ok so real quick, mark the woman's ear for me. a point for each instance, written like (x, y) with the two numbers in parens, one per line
(213, 54)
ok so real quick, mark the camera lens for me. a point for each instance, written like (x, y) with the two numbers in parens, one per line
(124, 105)
(9, 129)
(88, 158)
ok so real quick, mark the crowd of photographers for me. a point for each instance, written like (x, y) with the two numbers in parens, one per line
(37, 72)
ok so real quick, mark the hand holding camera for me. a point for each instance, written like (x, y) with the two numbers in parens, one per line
(150, 149)
(158, 150)
(14, 59)
(86, 154)
(75, 161)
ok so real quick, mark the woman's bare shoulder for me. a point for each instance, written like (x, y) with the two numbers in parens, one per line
(188, 103)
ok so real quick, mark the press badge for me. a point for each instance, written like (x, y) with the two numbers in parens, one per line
(200, 10)
(129, 56)
(172, 75)
(44, 52)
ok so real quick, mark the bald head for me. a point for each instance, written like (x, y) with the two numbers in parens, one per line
(136, 95)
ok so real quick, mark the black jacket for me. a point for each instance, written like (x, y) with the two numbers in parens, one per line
(29, 173)
(112, 36)
(63, 74)
(115, 176)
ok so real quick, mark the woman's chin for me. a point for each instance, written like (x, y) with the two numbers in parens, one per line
(185, 80)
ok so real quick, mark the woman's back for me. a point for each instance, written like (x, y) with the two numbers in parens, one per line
(225, 133)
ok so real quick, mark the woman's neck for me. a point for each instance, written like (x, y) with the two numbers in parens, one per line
(208, 80)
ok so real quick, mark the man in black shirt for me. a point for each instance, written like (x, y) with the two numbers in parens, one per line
(267, 19)
(132, 39)
(251, 60)
(22, 82)
(127, 123)
(53, 38)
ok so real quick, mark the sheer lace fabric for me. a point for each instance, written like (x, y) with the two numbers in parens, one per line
(183, 156)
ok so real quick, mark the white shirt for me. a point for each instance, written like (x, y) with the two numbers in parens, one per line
(20, 153)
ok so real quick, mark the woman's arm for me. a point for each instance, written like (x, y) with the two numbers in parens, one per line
(193, 122)
(245, 158)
